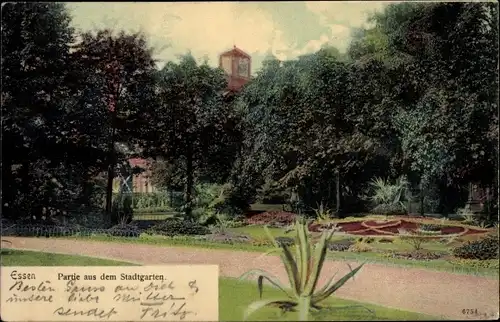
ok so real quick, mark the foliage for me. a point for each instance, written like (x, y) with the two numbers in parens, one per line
(388, 198)
(486, 248)
(303, 271)
(476, 263)
(287, 241)
(124, 230)
(414, 238)
(414, 255)
(340, 245)
(175, 227)
(41, 169)
(158, 200)
(209, 201)
(360, 247)
(196, 126)
(467, 215)
(271, 193)
(322, 213)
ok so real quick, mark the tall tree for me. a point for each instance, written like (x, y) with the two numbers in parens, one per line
(123, 66)
(35, 50)
(190, 119)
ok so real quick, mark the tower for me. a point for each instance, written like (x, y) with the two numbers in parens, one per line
(236, 65)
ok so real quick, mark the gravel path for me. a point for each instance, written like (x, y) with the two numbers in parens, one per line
(440, 294)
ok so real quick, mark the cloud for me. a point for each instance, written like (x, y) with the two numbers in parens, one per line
(208, 28)
(341, 17)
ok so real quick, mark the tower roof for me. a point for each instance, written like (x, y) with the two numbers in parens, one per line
(235, 52)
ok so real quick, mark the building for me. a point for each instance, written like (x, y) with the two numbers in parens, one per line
(237, 67)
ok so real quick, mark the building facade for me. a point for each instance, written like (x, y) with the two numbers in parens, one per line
(237, 67)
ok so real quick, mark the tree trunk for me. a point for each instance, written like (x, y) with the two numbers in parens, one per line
(421, 196)
(188, 193)
(338, 193)
(111, 174)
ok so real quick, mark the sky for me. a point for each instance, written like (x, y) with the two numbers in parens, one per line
(206, 29)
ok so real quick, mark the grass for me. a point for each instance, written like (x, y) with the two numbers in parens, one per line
(257, 232)
(11, 257)
(370, 257)
(237, 295)
(234, 295)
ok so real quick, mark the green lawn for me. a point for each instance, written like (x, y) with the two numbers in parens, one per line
(258, 232)
(370, 257)
(234, 295)
(10, 257)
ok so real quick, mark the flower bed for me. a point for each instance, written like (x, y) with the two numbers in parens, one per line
(272, 217)
(393, 227)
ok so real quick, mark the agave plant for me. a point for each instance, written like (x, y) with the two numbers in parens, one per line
(323, 214)
(385, 194)
(466, 214)
(303, 270)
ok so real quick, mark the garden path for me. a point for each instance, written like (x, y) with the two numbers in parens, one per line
(440, 294)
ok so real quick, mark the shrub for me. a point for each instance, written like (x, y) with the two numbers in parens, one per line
(287, 241)
(226, 238)
(360, 248)
(340, 245)
(387, 197)
(467, 215)
(414, 255)
(367, 240)
(322, 213)
(385, 240)
(486, 248)
(124, 230)
(173, 227)
(261, 242)
(476, 263)
(414, 238)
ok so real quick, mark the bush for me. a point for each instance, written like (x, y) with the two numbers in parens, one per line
(367, 240)
(414, 255)
(414, 239)
(360, 248)
(385, 240)
(476, 263)
(261, 242)
(340, 245)
(226, 238)
(175, 227)
(124, 231)
(486, 248)
(287, 241)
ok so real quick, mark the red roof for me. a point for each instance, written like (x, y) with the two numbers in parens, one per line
(235, 52)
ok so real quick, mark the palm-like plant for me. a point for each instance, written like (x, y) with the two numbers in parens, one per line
(385, 194)
(323, 214)
(303, 272)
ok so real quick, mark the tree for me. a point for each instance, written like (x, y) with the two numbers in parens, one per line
(123, 67)
(444, 87)
(191, 118)
(35, 50)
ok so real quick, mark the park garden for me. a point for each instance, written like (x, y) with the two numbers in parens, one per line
(384, 145)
